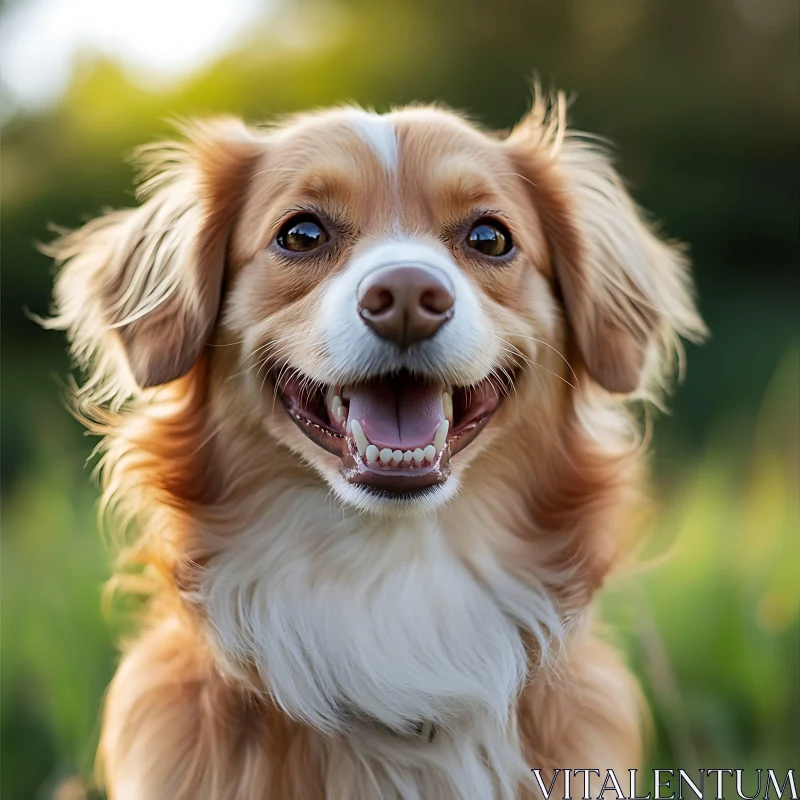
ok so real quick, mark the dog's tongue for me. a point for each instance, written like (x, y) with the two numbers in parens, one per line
(401, 415)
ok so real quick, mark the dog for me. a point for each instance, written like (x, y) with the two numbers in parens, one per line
(369, 388)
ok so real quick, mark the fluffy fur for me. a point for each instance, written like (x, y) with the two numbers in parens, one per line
(299, 630)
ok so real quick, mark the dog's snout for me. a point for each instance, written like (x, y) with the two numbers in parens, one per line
(406, 304)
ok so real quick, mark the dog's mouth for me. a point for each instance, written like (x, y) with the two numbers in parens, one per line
(394, 434)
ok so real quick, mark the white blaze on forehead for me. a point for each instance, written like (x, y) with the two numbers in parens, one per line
(379, 133)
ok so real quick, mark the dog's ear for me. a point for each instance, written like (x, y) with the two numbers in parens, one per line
(140, 288)
(627, 294)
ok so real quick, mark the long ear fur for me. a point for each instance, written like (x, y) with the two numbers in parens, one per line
(140, 288)
(627, 294)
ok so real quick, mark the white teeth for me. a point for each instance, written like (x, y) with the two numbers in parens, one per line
(360, 437)
(338, 410)
(334, 405)
(441, 435)
(386, 455)
(447, 406)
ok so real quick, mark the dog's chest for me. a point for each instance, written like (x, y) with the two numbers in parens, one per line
(359, 628)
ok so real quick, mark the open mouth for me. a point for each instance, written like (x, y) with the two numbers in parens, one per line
(394, 434)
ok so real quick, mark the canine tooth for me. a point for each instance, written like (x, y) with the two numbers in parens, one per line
(338, 409)
(447, 406)
(386, 455)
(418, 455)
(441, 436)
(397, 457)
(360, 437)
(429, 452)
(371, 453)
(407, 456)
(332, 398)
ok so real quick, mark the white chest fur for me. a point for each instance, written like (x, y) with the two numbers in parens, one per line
(353, 621)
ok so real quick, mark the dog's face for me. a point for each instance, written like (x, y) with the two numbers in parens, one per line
(387, 276)
(408, 287)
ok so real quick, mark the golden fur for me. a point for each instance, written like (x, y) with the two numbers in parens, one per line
(177, 309)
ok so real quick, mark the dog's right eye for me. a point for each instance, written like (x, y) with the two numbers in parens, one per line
(301, 234)
(490, 238)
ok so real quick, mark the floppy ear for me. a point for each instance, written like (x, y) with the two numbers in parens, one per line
(627, 294)
(140, 288)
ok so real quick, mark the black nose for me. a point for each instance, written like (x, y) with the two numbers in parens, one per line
(405, 304)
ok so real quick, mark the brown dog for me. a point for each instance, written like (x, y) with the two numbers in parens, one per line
(364, 384)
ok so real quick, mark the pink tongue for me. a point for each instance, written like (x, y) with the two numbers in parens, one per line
(401, 415)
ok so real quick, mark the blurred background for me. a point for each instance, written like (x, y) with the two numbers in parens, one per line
(701, 98)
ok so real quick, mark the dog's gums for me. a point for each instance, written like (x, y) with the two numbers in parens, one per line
(395, 433)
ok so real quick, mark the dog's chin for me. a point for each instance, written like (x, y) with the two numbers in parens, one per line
(393, 437)
(392, 504)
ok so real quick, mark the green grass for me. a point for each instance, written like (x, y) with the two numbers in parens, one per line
(710, 624)
(57, 654)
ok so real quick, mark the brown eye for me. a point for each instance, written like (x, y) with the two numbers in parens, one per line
(490, 238)
(301, 234)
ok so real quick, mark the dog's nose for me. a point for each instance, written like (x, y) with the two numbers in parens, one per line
(405, 304)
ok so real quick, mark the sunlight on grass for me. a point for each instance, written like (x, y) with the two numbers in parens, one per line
(713, 625)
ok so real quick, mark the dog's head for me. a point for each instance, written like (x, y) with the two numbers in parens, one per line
(412, 290)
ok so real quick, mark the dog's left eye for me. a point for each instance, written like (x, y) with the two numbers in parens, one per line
(301, 234)
(490, 238)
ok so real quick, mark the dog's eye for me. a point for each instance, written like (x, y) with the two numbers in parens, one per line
(301, 234)
(490, 238)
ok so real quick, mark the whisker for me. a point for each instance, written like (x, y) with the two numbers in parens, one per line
(516, 353)
(541, 367)
(267, 348)
(548, 345)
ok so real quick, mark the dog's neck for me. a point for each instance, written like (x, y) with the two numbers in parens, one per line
(348, 617)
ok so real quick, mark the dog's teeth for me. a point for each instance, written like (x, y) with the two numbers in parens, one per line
(338, 409)
(429, 452)
(407, 456)
(386, 455)
(441, 436)
(372, 454)
(447, 406)
(360, 437)
(397, 457)
(332, 399)
(418, 455)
